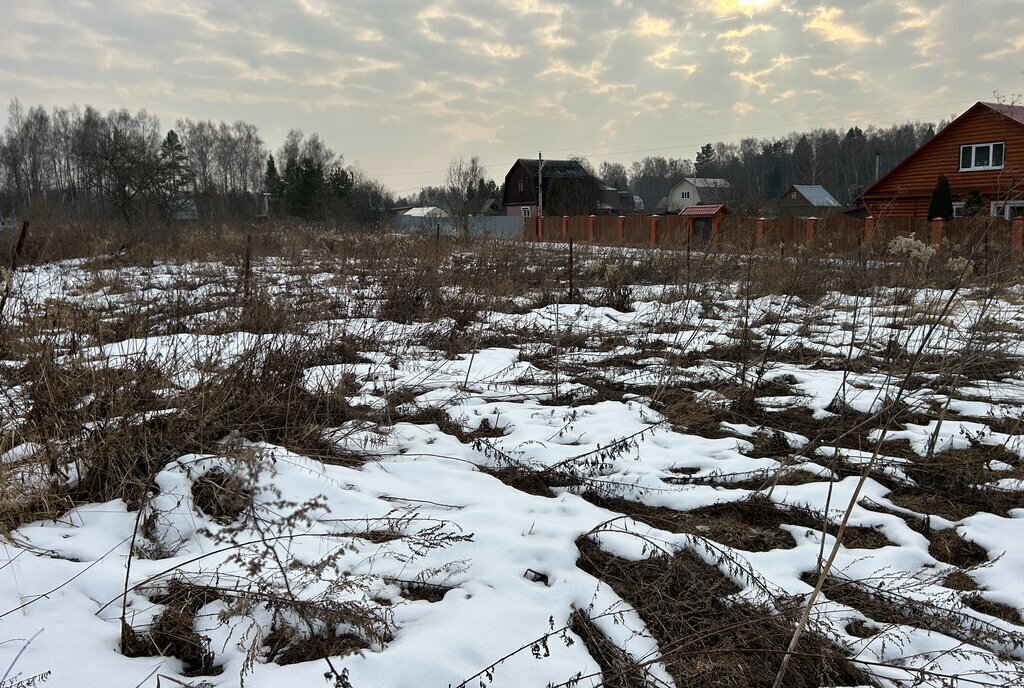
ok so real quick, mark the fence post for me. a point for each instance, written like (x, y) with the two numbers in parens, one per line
(1017, 234)
(653, 231)
(591, 221)
(621, 229)
(715, 237)
(938, 228)
(869, 230)
(540, 228)
(759, 234)
(565, 227)
(812, 228)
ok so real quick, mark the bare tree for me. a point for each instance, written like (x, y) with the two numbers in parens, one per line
(462, 176)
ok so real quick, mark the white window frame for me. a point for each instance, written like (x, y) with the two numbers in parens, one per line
(974, 156)
(1003, 208)
(686, 195)
(958, 209)
(526, 211)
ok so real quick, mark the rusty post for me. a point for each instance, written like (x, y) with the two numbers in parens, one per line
(652, 238)
(572, 290)
(247, 268)
(938, 228)
(812, 228)
(565, 227)
(540, 228)
(621, 230)
(869, 230)
(759, 234)
(591, 222)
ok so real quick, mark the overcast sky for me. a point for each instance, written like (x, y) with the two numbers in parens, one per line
(402, 85)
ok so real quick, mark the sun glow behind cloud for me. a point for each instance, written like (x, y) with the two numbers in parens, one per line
(749, 7)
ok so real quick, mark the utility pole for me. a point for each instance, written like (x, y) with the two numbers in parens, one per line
(540, 184)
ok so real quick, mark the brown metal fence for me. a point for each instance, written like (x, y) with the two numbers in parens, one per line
(737, 233)
(673, 232)
(785, 232)
(987, 241)
(839, 235)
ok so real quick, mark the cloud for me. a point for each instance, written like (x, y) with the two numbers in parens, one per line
(730, 7)
(654, 27)
(826, 21)
(413, 82)
(663, 59)
(756, 78)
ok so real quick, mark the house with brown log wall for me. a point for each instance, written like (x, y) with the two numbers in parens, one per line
(982, 149)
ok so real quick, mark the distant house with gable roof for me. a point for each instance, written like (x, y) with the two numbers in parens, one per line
(808, 200)
(568, 188)
(696, 191)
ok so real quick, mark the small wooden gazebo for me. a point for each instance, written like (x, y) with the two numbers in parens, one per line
(703, 220)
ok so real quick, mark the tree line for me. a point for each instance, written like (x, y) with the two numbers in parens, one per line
(760, 170)
(79, 163)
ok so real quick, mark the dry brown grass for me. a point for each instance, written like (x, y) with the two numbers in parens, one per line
(707, 639)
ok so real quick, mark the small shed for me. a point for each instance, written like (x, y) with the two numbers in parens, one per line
(703, 220)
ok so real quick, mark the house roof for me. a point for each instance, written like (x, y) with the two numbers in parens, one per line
(715, 195)
(709, 182)
(703, 210)
(816, 195)
(481, 205)
(426, 211)
(556, 168)
(710, 189)
(1014, 113)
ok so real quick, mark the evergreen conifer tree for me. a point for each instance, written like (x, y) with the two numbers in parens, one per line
(941, 205)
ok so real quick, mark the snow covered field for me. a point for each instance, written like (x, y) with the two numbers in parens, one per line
(213, 478)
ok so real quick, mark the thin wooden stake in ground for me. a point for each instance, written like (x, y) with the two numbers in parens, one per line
(572, 291)
(247, 268)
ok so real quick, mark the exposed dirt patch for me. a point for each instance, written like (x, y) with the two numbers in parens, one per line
(525, 480)
(434, 415)
(756, 481)
(860, 629)
(953, 484)
(707, 640)
(173, 633)
(618, 670)
(949, 547)
(286, 646)
(958, 580)
(421, 591)
(221, 495)
(890, 606)
(751, 524)
(996, 609)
